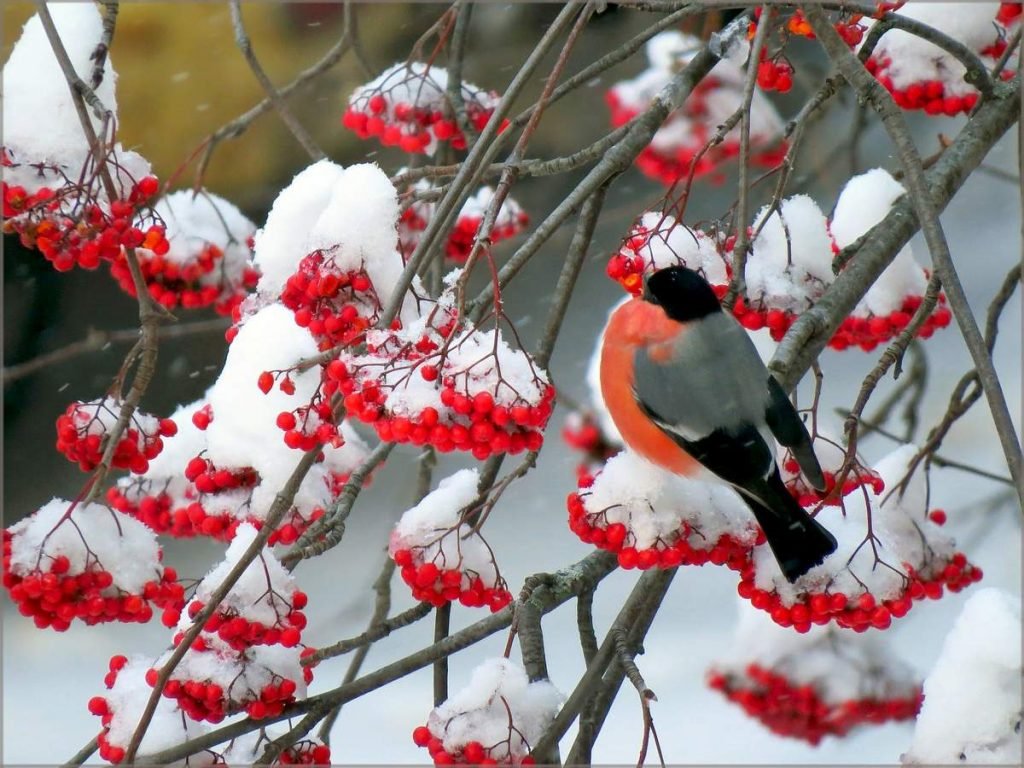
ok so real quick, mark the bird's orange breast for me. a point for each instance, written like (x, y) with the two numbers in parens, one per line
(635, 325)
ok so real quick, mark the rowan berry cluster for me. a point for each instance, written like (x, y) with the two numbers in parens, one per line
(336, 305)
(440, 585)
(683, 147)
(200, 282)
(71, 227)
(239, 633)
(82, 430)
(800, 711)
(478, 395)
(306, 752)
(669, 551)
(863, 611)
(511, 219)
(471, 753)
(54, 576)
(407, 107)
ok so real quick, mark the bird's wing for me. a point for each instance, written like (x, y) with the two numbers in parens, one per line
(708, 393)
(789, 429)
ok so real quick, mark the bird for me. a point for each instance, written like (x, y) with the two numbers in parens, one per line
(686, 388)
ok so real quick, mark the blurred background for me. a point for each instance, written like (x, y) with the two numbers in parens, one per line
(180, 78)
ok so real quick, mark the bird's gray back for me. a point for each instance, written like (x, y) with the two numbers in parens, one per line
(715, 379)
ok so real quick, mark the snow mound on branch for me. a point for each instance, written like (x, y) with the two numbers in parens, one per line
(435, 528)
(654, 504)
(478, 712)
(842, 665)
(187, 442)
(421, 86)
(791, 262)
(904, 535)
(972, 704)
(915, 60)
(127, 700)
(864, 202)
(193, 222)
(668, 242)
(243, 432)
(35, 90)
(127, 549)
(263, 592)
(352, 212)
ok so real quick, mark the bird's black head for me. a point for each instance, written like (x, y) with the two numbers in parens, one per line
(682, 293)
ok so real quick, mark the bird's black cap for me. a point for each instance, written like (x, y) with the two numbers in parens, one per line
(682, 293)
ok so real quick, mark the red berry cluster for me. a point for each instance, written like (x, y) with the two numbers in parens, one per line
(1009, 13)
(460, 239)
(200, 282)
(800, 711)
(154, 508)
(806, 496)
(864, 611)
(468, 421)
(695, 155)
(591, 528)
(70, 228)
(440, 586)
(239, 633)
(774, 74)
(306, 752)
(100, 707)
(83, 427)
(207, 700)
(868, 332)
(55, 596)
(337, 306)
(410, 127)
(472, 753)
(931, 96)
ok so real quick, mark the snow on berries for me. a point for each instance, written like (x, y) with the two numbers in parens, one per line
(208, 261)
(83, 428)
(876, 572)
(214, 680)
(120, 709)
(72, 561)
(438, 554)
(435, 383)
(264, 607)
(510, 221)
(328, 252)
(652, 518)
(972, 705)
(789, 266)
(680, 145)
(494, 720)
(891, 301)
(53, 198)
(407, 106)
(922, 76)
(826, 682)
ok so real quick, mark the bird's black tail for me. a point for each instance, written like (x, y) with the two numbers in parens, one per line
(797, 540)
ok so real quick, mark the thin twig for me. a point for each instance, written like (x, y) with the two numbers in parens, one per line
(245, 46)
(96, 340)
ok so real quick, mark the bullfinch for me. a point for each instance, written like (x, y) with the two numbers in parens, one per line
(687, 389)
